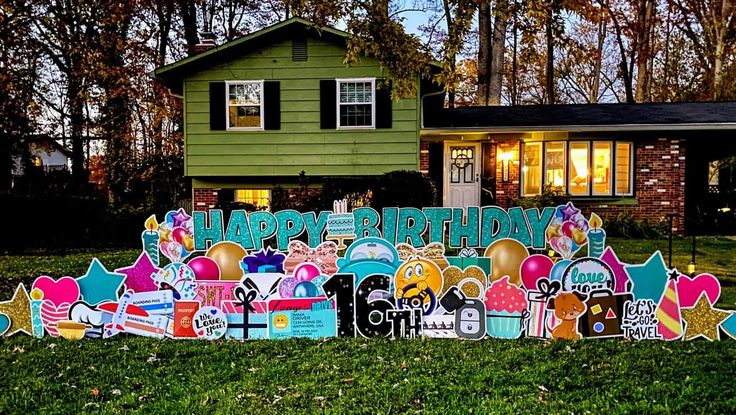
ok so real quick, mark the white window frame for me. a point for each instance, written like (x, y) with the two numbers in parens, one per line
(338, 81)
(632, 179)
(612, 166)
(228, 105)
(524, 175)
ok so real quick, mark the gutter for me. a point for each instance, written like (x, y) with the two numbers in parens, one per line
(579, 128)
(421, 110)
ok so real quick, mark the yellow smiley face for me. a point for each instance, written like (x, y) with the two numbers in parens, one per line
(280, 321)
(422, 272)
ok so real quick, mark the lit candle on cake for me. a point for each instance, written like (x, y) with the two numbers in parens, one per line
(36, 303)
(596, 236)
(150, 239)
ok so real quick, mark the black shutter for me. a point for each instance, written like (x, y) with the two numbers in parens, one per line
(383, 106)
(327, 104)
(217, 106)
(272, 105)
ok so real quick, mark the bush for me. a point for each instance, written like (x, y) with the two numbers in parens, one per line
(626, 225)
(403, 188)
(548, 198)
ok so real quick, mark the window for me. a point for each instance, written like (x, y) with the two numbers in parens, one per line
(531, 172)
(245, 105)
(356, 101)
(624, 169)
(579, 160)
(260, 198)
(602, 173)
(462, 169)
(582, 168)
(555, 162)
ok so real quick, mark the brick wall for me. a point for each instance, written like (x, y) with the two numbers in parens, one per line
(506, 192)
(659, 184)
(204, 199)
(424, 157)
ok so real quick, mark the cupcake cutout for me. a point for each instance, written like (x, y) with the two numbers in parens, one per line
(506, 309)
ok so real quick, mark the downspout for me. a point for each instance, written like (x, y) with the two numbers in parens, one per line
(421, 110)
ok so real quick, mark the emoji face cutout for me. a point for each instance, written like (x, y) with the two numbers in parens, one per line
(280, 321)
(417, 276)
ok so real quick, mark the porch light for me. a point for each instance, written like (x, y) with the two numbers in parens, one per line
(505, 157)
(691, 269)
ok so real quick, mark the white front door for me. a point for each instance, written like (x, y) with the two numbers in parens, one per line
(462, 174)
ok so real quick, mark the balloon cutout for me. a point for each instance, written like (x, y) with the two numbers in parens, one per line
(567, 232)
(506, 258)
(205, 268)
(534, 268)
(176, 239)
(228, 255)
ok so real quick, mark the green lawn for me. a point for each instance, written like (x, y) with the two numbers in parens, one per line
(128, 374)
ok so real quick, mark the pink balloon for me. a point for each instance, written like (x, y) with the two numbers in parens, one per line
(178, 234)
(205, 268)
(306, 272)
(567, 228)
(534, 268)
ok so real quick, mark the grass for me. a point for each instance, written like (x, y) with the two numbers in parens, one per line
(132, 374)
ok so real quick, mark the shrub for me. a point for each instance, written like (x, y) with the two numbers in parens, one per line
(548, 198)
(403, 188)
(626, 225)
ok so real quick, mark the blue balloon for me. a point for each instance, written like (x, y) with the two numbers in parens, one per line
(558, 269)
(305, 289)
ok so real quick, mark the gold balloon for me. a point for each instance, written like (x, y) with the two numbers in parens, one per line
(228, 256)
(579, 236)
(187, 242)
(506, 258)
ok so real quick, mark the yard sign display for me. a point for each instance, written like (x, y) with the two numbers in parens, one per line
(465, 273)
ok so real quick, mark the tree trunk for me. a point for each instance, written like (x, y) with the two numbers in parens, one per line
(514, 66)
(550, 55)
(721, 33)
(189, 21)
(498, 50)
(451, 59)
(643, 73)
(76, 121)
(484, 52)
(595, 87)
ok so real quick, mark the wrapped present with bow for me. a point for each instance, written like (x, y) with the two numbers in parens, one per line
(265, 260)
(324, 256)
(247, 319)
(469, 257)
(434, 252)
(539, 313)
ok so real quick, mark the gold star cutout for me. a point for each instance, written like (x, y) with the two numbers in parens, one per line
(703, 320)
(19, 311)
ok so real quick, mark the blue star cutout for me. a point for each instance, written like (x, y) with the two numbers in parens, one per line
(99, 284)
(649, 279)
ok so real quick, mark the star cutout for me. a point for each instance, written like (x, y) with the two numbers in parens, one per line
(621, 278)
(138, 275)
(19, 311)
(180, 217)
(649, 278)
(99, 284)
(569, 211)
(703, 320)
(674, 274)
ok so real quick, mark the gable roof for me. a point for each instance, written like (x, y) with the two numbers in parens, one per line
(172, 75)
(584, 117)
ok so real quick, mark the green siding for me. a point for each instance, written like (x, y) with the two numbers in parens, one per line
(300, 144)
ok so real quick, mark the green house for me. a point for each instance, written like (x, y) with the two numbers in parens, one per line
(263, 108)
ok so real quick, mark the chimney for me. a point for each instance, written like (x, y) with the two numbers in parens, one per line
(206, 42)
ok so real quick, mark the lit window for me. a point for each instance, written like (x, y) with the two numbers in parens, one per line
(356, 103)
(554, 165)
(531, 170)
(245, 105)
(624, 169)
(602, 167)
(260, 198)
(37, 161)
(579, 160)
